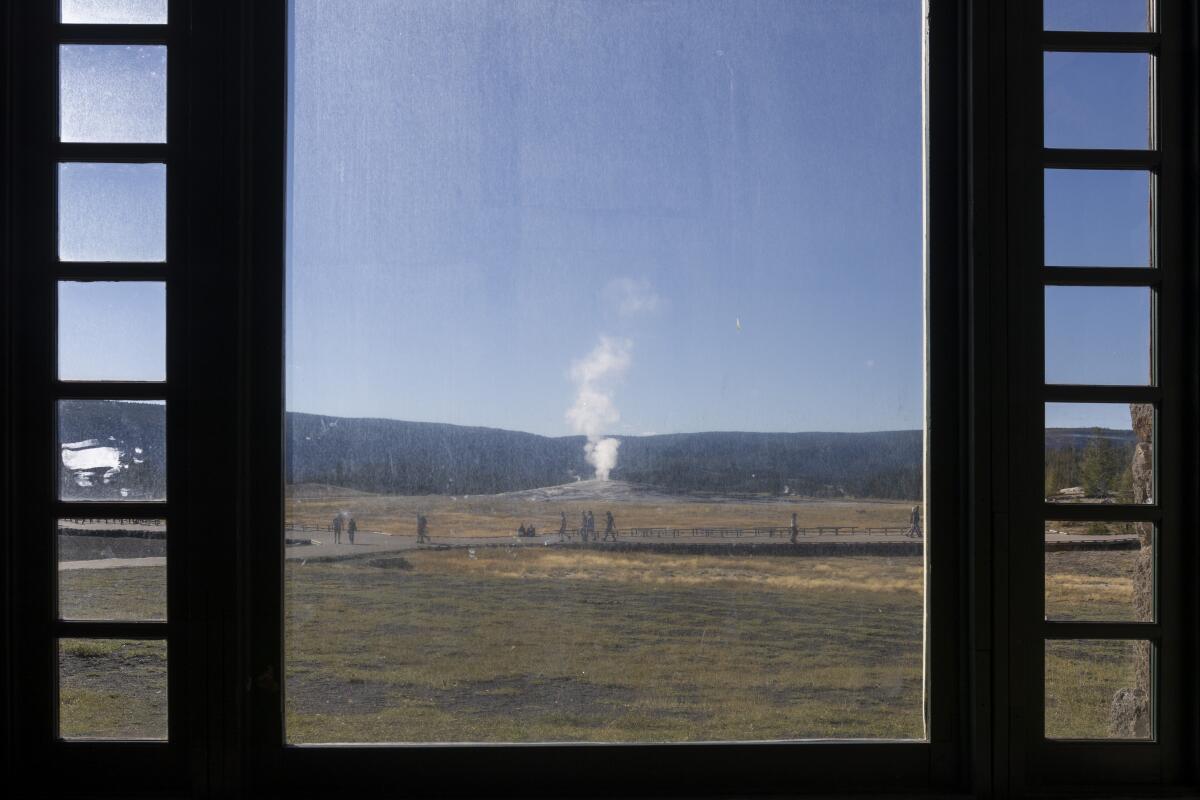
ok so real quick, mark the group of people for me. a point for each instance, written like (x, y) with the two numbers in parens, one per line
(344, 520)
(587, 527)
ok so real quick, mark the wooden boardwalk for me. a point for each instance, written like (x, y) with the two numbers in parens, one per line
(316, 542)
(782, 532)
(296, 530)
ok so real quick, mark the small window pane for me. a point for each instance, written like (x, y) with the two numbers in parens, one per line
(112, 689)
(1097, 100)
(126, 12)
(1099, 453)
(113, 331)
(1098, 689)
(1098, 335)
(113, 569)
(1097, 218)
(1099, 571)
(112, 450)
(113, 93)
(1095, 15)
(112, 212)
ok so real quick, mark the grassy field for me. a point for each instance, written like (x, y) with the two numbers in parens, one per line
(545, 643)
(112, 689)
(534, 644)
(498, 515)
(1090, 585)
(123, 593)
(1081, 679)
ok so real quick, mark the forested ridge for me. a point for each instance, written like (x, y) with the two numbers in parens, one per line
(396, 457)
(399, 457)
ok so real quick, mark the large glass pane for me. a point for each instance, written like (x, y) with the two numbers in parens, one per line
(114, 331)
(1099, 453)
(113, 569)
(1097, 100)
(1098, 689)
(1098, 335)
(605, 382)
(1099, 571)
(112, 689)
(1095, 15)
(1097, 218)
(112, 93)
(128, 12)
(112, 450)
(112, 212)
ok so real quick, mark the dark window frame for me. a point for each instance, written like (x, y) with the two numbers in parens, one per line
(1039, 762)
(229, 66)
(34, 271)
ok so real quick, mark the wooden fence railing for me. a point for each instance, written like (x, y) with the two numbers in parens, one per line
(770, 533)
(783, 532)
(112, 521)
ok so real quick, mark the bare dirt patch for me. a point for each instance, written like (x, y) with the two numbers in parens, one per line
(316, 692)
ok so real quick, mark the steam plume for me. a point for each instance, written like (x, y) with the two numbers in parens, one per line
(594, 408)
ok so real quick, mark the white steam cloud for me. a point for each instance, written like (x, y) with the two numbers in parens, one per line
(593, 410)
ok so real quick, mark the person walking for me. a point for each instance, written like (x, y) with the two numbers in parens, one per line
(351, 529)
(583, 527)
(422, 529)
(610, 527)
(562, 527)
(914, 523)
(591, 525)
(795, 528)
(337, 528)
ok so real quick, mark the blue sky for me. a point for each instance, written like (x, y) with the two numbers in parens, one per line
(1094, 15)
(727, 193)
(482, 192)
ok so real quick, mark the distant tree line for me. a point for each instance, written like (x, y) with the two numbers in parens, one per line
(396, 457)
(1101, 465)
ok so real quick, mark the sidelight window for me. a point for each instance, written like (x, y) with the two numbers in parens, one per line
(1103, 527)
(111, 281)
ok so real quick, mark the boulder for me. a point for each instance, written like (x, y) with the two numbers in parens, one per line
(1142, 416)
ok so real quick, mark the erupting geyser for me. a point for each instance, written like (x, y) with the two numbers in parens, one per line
(593, 408)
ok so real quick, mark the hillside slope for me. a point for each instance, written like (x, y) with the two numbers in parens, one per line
(118, 450)
(395, 457)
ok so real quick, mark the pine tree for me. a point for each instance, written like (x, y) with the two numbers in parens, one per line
(1100, 467)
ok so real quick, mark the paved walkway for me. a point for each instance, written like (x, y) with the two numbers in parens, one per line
(112, 563)
(366, 544)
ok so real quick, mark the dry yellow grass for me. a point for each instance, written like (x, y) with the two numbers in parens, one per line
(1087, 589)
(535, 644)
(1090, 585)
(751, 573)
